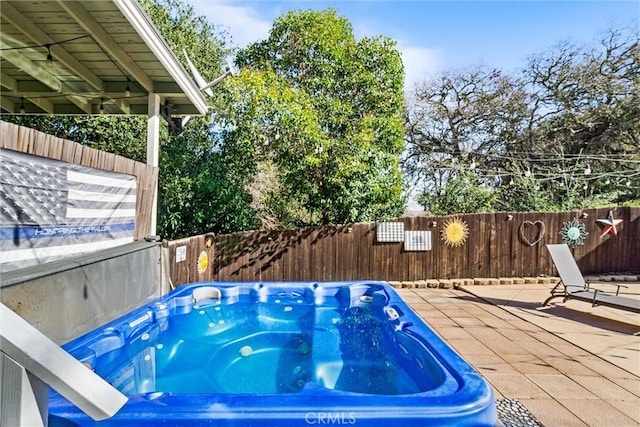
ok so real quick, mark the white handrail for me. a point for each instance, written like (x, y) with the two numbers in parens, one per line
(46, 360)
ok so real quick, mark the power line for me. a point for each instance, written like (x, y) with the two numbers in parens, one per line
(549, 157)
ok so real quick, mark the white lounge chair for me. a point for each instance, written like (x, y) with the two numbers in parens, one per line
(572, 284)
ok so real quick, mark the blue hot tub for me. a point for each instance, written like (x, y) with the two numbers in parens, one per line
(279, 354)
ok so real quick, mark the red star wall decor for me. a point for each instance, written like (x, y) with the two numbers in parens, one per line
(609, 225)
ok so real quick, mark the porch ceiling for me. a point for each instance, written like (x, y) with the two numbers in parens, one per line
(99, 49)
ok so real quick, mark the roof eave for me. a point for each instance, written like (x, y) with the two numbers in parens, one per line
(150, 34)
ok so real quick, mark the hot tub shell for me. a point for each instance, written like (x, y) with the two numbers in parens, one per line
(431, 385)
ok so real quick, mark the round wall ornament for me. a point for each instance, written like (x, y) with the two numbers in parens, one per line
(454, 232)
(203, 262)
(573, 233)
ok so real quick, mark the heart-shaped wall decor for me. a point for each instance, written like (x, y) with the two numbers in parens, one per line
(531, 237)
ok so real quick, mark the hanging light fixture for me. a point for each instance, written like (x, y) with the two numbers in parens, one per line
(101, 107)
(22, 105)
(127, 90)
(49, 56)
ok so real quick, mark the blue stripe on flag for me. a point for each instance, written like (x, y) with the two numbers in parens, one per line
(61, 230)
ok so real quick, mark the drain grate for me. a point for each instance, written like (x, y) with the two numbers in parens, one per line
(514, 414)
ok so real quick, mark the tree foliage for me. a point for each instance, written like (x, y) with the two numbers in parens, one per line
(310, 132)
(198, 189)
(326, 111)
(124, 136)
(562, 134)
(266, 131)
(462, 194)
(456, 119)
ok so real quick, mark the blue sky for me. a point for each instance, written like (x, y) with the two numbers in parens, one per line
(437, 35)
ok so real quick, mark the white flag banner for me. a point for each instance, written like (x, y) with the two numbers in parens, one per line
(51, 209)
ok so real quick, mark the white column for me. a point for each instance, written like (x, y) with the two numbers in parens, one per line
(153, 151)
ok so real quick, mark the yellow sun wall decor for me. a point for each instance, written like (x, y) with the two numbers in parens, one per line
(454, 232)
(203, 262)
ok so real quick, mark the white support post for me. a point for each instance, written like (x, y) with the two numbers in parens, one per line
(23, 397)
(28, 354)
(153, 151)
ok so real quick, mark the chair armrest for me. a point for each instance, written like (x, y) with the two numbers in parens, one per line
(619, 285)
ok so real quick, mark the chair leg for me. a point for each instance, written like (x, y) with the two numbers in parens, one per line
(552, 297)
(556, 286)
(555, 293)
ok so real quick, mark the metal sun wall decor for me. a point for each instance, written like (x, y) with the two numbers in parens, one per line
(454, 232)
(390, 232)
(609, 225)
(573, 233)
(526, 235)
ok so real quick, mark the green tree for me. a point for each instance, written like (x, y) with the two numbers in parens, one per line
(337, 158)
(198, 188)
(198, 191)
(460, 194)
(562, 134)
(267, 133)
(522, 193)
(124, 136)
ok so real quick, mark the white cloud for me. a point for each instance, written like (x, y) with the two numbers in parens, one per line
(244, 24)
(420, 63)
(248, 24)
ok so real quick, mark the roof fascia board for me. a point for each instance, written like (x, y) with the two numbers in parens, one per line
(149, 33)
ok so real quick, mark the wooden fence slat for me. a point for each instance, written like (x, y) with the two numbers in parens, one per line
(494, 249)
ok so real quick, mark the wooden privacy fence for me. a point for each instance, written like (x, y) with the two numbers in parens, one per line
(504, 244)
(31, 141)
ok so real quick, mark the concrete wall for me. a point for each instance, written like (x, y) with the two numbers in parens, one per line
(68, 298)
